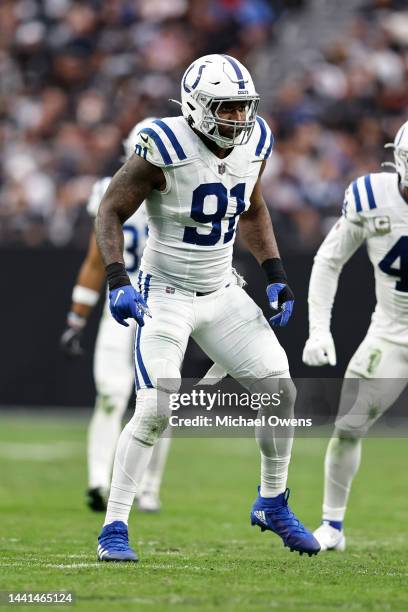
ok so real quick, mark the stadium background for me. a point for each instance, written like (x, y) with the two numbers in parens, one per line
(76, 76)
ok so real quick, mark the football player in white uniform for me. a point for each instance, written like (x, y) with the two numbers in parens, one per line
(113, 357)
(198, 173)
(376, 212)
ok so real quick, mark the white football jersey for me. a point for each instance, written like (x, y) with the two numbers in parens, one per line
(134, 230)
(375, 212)
(192, 223)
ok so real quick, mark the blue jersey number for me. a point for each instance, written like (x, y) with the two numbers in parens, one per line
(131, 236)
(218, 190)
(399, 250)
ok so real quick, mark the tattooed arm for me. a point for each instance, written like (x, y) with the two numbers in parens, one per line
(127, 190)
(255, 226)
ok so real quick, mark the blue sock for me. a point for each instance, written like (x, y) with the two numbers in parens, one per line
(336, 524)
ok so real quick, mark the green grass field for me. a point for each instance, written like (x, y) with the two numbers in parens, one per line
(200, 552)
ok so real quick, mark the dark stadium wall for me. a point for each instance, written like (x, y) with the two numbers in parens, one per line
(37, 287)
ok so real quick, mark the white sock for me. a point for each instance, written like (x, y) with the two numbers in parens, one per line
(274, 475)
(131, 460)
(275, 443)
(103, 434)
(342, 461)
(152, 478)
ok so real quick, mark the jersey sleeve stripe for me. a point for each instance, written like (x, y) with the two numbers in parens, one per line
(370, 194)
(269, 149)
(159, 143)
(357, 197)
(237, 69)
(173, 139)
(262, 138)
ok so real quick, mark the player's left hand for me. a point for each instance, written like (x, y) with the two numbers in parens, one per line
(125, 302)
(281, 300)
(70, 341)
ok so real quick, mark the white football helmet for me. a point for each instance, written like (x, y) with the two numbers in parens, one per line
(206, 84)
(129, 142)
(400, 146)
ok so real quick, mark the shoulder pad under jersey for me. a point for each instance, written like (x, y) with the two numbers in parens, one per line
(364, 195)
(97, 193)
(261, 141)
(166, 142)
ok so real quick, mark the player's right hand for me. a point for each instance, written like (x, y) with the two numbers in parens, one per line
(127, 303)
(320, 350)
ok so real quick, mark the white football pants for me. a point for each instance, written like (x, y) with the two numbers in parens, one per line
(227, 324)
(382, 370)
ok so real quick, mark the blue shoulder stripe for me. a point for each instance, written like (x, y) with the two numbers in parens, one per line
(238, 71)
(370, 194)
(357, 197)
(172, 137)
(269, 149)
(160, 145)
(262, 137)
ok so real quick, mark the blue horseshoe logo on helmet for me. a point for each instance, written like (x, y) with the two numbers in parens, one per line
(196, 82)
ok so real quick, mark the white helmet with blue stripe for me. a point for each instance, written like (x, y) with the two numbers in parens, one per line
(400, 146)
(209, 82)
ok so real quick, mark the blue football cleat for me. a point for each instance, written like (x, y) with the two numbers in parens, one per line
(114, 543)
(273, 513)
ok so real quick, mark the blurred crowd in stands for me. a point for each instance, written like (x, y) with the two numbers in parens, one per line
(76, 76)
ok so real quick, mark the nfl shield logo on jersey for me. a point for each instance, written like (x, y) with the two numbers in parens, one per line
(221, 168)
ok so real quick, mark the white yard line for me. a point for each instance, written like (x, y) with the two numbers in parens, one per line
(73, 565)
(21, 451)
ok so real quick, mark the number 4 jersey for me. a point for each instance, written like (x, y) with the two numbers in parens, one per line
(374, 211)
(192, 222)
(134, 230)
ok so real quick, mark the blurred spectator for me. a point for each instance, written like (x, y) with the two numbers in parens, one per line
(76, 77)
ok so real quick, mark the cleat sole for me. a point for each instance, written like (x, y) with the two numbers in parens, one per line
(118, 560)
(308, 552)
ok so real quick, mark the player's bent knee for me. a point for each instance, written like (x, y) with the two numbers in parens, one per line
(112, 403)
(151, 416)
(282, 393)
(346, 437)
(287, 391)
(282, 385)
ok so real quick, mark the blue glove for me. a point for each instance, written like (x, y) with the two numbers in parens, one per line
(281, 299)
(125, 303)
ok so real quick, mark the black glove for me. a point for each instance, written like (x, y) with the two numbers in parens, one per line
(70, 341)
